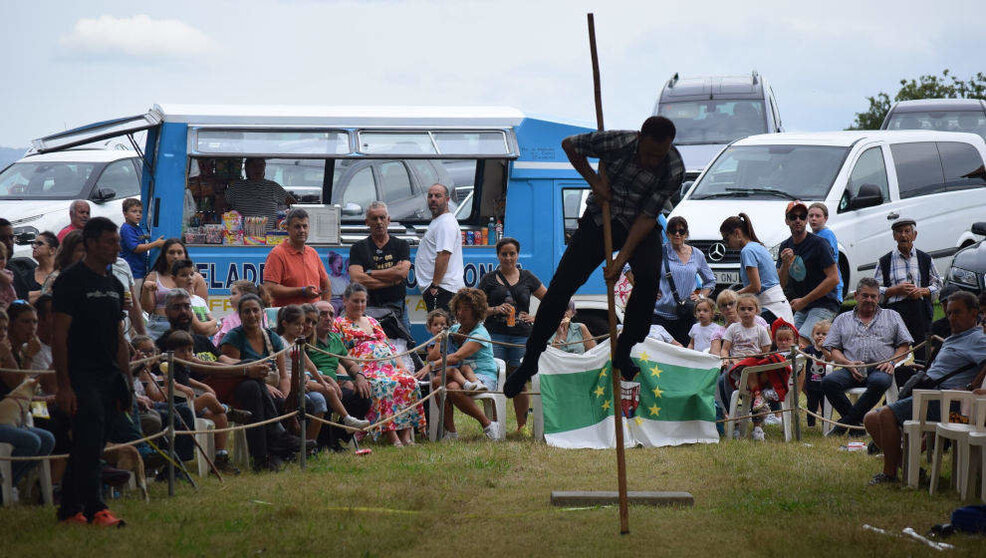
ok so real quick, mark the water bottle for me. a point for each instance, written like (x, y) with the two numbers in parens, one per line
(499, 230)
(493, 235)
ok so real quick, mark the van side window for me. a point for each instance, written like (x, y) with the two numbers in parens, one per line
(870, 169)
(361, 189)
(958, 160)
(573, 203)
(395, 184)
(121, 176)
(918, 167)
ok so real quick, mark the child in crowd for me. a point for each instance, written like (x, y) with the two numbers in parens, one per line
(7, 292)
(321, 392)
(205, 405)
(811, 381)
(702, 331)
(202, 321)
(726, 301)
(438, 321)
(232, 320)
(571, 336)
(818, 216)
(742, 339)
(131, 238)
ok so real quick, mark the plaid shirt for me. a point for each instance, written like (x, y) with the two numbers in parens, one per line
(636, 190)
(906, 269)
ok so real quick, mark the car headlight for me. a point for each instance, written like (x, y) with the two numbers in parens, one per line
(964, 276)
(25, 235)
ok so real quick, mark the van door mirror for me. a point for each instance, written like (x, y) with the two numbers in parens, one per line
(102, 195)
(352, 210)
(869, 195)
(979, 228)
(680, 194)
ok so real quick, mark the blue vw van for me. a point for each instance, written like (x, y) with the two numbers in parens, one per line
(503, 167)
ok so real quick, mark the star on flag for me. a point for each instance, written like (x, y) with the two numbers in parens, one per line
(606, 404)
(657, 391)
(599, 391)
(654, 410)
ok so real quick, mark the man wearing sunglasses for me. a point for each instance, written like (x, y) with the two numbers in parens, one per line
(808, 273)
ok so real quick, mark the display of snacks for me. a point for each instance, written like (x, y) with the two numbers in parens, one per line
(254, 240)
(213, 234)
(233, 221)
(233, 238)
(255, 226)
(194, 235)
(275, 238)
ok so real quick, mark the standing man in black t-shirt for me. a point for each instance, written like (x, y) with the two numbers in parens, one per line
(808, 273)
(380, 263)
(92, 367)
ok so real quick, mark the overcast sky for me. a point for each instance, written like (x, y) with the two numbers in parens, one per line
(69, 63)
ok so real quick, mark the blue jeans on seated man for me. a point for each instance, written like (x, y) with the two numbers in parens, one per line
(834, 386)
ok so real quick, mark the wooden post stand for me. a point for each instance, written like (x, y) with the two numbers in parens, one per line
(621, 466)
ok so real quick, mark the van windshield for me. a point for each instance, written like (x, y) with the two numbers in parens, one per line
(950, 121)
(705, 122)
(45, 180)
(803, 172)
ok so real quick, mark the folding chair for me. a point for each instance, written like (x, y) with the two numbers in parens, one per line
(889, 396)
(976, 464)
(537, 410)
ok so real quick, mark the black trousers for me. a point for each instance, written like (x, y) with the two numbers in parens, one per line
(439, 300)
(252, 395)
(97, 402)
(915, 315)
(581, 258)
(356, 406)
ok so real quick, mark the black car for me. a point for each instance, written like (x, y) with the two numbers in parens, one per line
(968, 270)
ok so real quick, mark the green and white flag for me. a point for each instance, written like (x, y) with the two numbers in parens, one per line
(670, 402)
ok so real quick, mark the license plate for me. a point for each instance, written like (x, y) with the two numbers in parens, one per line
(726, 277)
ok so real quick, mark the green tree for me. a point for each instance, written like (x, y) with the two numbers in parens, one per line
(946, 86)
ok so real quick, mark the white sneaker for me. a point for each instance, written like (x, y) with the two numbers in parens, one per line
(479, 386)
(492, 431)
(469, 385)
(758, 434)
(772, 419)
(450, 436)
(350, 420)
(736, 433)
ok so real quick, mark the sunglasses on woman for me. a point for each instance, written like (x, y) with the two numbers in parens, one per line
(681, 231)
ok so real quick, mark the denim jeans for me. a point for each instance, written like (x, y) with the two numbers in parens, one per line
(835, 385)
(28, 442)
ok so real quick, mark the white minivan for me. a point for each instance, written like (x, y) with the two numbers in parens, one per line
(868, 179)
(36, 191)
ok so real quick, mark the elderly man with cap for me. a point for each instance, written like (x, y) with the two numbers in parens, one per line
(909, 281)
(808, 273)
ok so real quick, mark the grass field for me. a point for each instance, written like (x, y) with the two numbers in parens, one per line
(473, 498)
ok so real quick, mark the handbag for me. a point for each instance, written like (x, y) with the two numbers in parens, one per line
(920, 380)
(683, 309)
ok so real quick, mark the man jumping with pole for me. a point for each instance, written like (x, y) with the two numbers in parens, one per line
(642, 170)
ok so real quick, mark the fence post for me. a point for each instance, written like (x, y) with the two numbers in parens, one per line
(171, 423)
(441, 397)
(796, 411)
(298, 371)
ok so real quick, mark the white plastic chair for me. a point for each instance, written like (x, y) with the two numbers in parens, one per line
(741, 401)
(958, 433)
(43, 470)
(976, 465)
(492, 402)
(915, 430)
(889, 396)
(206, 441)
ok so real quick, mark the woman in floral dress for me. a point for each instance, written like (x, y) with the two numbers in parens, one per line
(393, 387)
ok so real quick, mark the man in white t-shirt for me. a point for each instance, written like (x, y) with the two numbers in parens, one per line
(438, 263)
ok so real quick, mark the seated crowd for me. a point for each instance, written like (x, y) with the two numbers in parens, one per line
(235, 370)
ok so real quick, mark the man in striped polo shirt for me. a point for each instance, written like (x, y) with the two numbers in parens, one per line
(256, 196)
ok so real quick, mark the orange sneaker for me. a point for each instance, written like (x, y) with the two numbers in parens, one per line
(105, 518)
(77, 519)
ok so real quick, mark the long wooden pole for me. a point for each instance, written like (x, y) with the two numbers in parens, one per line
(621, 466)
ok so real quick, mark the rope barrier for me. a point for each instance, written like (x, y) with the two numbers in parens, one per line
(110, 447)
(488, 392)
(235, 367)
(406, 410)
(137, 363)
(518, 345)
(336, 424)
(864, 365)
(25, 371)
(391, 357)
(235, 428)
